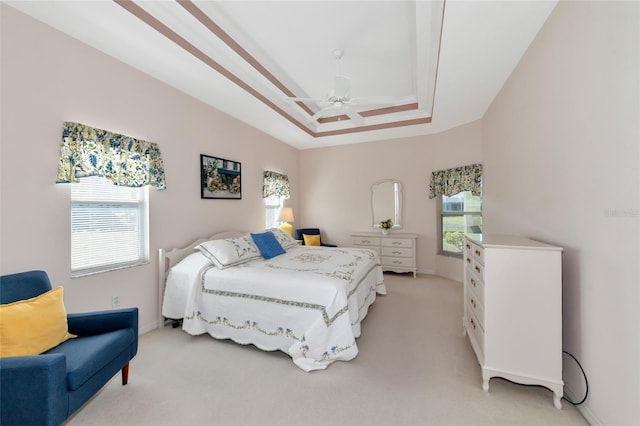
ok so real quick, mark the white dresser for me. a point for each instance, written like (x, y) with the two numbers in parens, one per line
(397, 250)
(513, 309)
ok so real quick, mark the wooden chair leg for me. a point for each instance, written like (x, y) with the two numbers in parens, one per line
(125, 374)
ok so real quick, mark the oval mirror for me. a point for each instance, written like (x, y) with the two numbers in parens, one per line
(386, 202)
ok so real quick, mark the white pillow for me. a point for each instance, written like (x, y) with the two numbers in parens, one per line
(285, 240)
(230, 251)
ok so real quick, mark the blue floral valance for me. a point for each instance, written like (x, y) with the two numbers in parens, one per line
(125, 161)
(275, 184)
(452, 181)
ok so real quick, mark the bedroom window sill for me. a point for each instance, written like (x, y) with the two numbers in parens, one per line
(450, 254)
(108, 268)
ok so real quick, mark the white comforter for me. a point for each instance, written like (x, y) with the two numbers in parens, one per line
(308, 302)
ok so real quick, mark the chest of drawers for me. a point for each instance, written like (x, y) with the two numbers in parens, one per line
(397, 251)
(513, 310)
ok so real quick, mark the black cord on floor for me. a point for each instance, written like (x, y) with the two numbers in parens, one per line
(585, 382)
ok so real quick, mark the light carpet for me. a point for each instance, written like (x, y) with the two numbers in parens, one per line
(414, 368)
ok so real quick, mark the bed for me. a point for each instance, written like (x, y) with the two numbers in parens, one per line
(308, 302)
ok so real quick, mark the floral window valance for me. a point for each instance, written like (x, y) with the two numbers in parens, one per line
(452, 181)
(125, 161)
(275, 184)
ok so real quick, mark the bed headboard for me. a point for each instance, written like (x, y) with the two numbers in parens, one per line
(168, 258)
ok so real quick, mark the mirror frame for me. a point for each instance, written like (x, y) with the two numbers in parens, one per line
(397, 200)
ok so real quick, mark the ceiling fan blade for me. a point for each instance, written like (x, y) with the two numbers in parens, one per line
(342, 109)
(374, 100)
(320, 113)
(354, 116)
(306, 100)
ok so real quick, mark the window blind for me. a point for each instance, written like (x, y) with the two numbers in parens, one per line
(108, 226)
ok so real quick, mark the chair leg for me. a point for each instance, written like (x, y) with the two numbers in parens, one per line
(125, 374)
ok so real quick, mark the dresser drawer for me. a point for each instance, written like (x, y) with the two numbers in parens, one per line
(471, 260)
(397, 242)
(468, 260)
(476, 285)
(474, 251)
(397, 251)
(477, 268)
(475, 326)
(477, 334)
(472, 266)
(403, 262)
(366, 241)
(475, 306)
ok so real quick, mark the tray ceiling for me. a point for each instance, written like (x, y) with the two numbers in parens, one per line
(413, 67)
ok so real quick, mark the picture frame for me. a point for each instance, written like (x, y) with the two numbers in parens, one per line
(220, 178)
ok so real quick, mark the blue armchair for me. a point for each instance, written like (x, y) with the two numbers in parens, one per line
(46, 389)
(311, 231)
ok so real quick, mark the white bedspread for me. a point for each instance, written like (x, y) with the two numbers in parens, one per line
(308, 302)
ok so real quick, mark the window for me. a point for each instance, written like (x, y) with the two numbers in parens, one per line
(275, 189)
(109, 226)
(272, 204)
(460, 214)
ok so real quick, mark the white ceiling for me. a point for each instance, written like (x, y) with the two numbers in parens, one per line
(439, 65)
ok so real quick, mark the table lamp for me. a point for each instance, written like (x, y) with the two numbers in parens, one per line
(285, 215)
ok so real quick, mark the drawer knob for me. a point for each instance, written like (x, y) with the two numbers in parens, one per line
(396, 252)
(397, 262)
(477, 252)
(477, 269)
(398, 243)
(473, 282)
(468, 246)
(366, 241)
(468, 260)
(473, 303)
(473, 323)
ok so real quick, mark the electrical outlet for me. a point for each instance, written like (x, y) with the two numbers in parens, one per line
(115, 301)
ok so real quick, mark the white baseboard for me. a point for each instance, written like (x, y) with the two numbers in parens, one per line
(582, 408)
(147, 328)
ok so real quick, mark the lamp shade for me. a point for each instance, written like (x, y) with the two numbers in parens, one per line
(285, 215)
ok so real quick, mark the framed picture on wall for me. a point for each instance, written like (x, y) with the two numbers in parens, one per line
(220, 178)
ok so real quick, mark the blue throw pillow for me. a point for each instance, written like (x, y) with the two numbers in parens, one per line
(268, 244)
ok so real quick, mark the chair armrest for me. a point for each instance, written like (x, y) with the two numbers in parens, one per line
(91, 323)
(34, 389)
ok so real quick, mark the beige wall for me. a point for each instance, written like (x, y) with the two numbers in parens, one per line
(335, 186)
(561, 159)
(559, 147)
(49, 78)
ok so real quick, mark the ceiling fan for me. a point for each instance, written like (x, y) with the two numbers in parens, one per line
(339, 101)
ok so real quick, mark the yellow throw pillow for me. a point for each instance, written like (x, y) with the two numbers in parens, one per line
(311, 240)
(33, 326)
